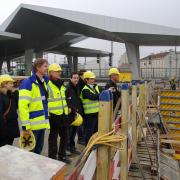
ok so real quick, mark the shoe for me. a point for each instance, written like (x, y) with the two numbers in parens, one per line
(68, 153)
(65, 160)
(81, 142)
(74, 151)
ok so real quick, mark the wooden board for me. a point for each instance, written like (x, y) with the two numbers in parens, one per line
(17, 164)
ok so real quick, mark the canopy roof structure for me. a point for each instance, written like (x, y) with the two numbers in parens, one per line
(8, 36)
(46, 29)
(43, 28)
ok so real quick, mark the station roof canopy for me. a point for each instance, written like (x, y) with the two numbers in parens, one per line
(44, 28)
(80, 52)
(8, 36)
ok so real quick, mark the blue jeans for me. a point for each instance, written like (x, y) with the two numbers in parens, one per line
(39, 136)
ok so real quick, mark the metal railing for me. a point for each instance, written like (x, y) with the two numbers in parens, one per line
(160, 73)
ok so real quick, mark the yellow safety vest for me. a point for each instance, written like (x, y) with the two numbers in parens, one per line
(90, 106)
(57, 100)
(33, 110)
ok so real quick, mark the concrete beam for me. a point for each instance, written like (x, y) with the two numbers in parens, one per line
(28, 61)
(39, 54)
(133, 58)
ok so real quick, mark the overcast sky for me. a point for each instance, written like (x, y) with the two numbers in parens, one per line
(162, 12)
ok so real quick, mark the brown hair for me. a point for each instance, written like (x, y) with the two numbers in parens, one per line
(38, 63)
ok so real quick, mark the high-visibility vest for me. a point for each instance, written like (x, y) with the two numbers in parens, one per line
(33, 106)
(57, 99)
(90, 106)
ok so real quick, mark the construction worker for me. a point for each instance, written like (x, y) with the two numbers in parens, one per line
(33, 106)
(58, 115)
(90, 100)
(9, 128)
(74, 102)
(173, 83)
(112, 84)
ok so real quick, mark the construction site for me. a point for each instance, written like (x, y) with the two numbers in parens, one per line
(138, 137)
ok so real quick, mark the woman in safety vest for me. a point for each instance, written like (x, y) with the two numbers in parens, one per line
(59, 115)
(9, 128)
(90, 100)
(33, 107)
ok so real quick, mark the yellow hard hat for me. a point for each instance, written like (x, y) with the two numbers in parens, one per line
(54, 67)
(78, 120)
(113, 71)
(89, 74)
(27, 141)
(5, 78)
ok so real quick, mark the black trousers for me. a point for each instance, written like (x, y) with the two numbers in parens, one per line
(53, 149)
(72, 135)
(91, 126)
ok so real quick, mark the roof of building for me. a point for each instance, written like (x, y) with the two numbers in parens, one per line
(156, 56)
(8, 36)
(124, 67)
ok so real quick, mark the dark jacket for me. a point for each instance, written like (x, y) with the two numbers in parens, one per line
(73, 97)
(63, 120)
(9, 126)
(116, 93)
(81, 84)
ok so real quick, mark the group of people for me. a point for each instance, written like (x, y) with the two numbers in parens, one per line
(44, 102)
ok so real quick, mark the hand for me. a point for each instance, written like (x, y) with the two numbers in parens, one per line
(27, 132)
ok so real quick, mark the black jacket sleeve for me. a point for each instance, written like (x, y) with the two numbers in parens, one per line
(68, 96)
(88, 95)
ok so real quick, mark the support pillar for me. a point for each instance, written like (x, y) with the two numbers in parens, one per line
(70, 63)
(75, 63)
(28, 61)
(124, 130)
(134, 119)
(1, 63)
(9, 65)
(133, 59)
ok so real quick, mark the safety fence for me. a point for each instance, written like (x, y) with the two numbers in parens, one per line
(104, 157)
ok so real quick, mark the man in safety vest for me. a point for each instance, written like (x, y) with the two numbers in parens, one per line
(59, 115)
(33, 106)
(112, 84)
(90, 100)
(173, 83)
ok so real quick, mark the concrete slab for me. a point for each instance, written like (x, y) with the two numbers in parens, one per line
(17, 164)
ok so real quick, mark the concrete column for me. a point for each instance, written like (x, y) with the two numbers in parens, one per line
(133, 58)
(28, 61)
(8, 65)
(75, 63)
(39, 54)
(70, 62)
(1, 63)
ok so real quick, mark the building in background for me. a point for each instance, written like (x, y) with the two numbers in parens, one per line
(161, 65)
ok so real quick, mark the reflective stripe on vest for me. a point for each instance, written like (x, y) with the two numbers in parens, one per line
(90, 106)
(57, 100)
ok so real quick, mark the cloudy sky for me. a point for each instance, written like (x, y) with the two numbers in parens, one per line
(162, 12)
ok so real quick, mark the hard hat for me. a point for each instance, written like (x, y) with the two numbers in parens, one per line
(54, 67)
(27, 141)
(89, 74)
(113, 71)
(78, 120)
(5, 78)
